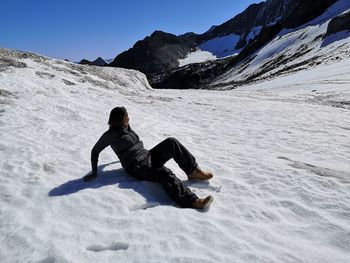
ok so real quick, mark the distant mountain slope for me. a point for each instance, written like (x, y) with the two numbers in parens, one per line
(292, 50)
(159, 55)
(276, 50)
(291, 13)
(97, 62)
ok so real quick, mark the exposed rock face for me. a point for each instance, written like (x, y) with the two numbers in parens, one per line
(192, 76)
(339, 23)
(305, 10)
(155, 53)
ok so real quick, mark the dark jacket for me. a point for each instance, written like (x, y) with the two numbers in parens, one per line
(124, 142)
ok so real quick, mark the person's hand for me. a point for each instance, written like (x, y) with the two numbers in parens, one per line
(90, 177)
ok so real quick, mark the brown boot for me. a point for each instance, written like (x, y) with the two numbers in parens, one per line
(202, 203)
(198, 174)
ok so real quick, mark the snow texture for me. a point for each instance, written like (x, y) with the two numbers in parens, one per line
(279, 151)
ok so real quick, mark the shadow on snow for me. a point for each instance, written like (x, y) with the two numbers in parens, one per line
(151, 191)
(335, 37)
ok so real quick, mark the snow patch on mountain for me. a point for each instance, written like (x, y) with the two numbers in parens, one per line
(221, 46)
(253, 33)
(196, 57)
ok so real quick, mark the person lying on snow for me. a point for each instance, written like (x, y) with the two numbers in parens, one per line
(149, 164)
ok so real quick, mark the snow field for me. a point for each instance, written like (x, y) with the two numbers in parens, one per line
(281, 186)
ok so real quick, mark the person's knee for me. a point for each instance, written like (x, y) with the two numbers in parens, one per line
(172, 140)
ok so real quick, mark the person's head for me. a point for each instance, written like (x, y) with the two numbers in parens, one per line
(118, 117)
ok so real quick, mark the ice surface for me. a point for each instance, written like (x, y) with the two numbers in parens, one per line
(279, 151)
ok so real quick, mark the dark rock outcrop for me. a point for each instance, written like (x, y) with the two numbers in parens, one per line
(339, 23)
(192, 76)
(156, 53)
(306, 10)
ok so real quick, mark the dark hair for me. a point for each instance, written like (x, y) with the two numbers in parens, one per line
(116, 116)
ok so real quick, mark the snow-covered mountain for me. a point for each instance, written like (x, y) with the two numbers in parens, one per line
(161, 53)
(279, 151)
(275, 51)
(293, 50)
(248, 24)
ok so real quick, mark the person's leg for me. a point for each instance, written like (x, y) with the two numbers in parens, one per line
(172, 148)
(180, 193)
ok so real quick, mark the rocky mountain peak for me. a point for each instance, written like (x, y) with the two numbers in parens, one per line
(99, 62)
(155, 53)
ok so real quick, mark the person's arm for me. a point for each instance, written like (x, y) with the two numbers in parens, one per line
(101, 144)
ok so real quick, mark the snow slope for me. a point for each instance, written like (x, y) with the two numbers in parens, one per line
(293, 50)
(282, 177)
(221, 46)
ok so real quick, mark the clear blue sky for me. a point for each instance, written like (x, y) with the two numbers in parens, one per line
(76, 29)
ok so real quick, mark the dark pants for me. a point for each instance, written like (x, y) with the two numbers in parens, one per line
(153, 169)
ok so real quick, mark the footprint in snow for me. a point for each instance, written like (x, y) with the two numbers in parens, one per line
(114, 247)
